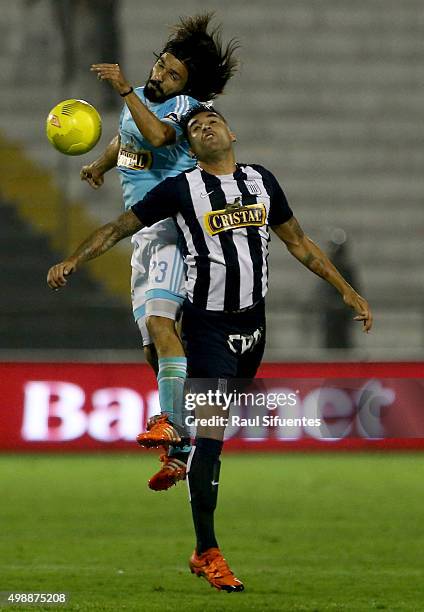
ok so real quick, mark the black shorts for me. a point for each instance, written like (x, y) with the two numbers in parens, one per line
(221, 345)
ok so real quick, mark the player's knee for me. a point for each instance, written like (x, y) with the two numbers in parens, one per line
(160, 328)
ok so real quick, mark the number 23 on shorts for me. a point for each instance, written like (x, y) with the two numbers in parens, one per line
(160, 267)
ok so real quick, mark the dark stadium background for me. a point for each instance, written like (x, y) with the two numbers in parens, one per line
(330, 98)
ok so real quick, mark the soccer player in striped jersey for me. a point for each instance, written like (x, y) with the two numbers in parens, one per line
(150, 147)
(223, 211)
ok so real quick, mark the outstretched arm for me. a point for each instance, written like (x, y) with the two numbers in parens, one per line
(158, 133)
(100, 241)
(311, 256)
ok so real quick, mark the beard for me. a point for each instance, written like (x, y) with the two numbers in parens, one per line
(153, 91)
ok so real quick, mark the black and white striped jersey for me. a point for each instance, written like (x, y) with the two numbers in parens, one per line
(223, 221)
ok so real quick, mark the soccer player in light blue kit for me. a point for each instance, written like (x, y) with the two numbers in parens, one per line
(193, 66)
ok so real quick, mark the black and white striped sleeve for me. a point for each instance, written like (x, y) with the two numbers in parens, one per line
(279, 211)
(158, 204)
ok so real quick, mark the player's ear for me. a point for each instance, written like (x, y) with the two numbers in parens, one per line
(233, 137)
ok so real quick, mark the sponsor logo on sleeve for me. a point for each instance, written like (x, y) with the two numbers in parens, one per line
(173, 117)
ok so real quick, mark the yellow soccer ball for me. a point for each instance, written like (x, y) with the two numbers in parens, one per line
(73, 127)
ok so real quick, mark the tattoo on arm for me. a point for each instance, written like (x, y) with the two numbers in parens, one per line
(96, 244)
(303, 248)
(107, 236)
(315, 264)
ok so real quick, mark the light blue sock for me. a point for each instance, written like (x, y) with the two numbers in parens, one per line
(171, 378)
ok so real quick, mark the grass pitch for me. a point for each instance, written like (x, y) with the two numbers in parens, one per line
(304, 532)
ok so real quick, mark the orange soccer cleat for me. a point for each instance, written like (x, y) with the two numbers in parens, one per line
(154, 419)
(171, 472)
(160, 432)
(212, 565)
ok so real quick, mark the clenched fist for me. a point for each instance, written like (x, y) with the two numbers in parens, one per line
(92, 175)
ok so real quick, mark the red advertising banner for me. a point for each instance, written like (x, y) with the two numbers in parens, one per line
(331, 406)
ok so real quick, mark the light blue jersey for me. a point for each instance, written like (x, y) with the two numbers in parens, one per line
(158, 277)
(142, 166)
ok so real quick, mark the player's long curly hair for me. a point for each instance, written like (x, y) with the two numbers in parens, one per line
(210, 65)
